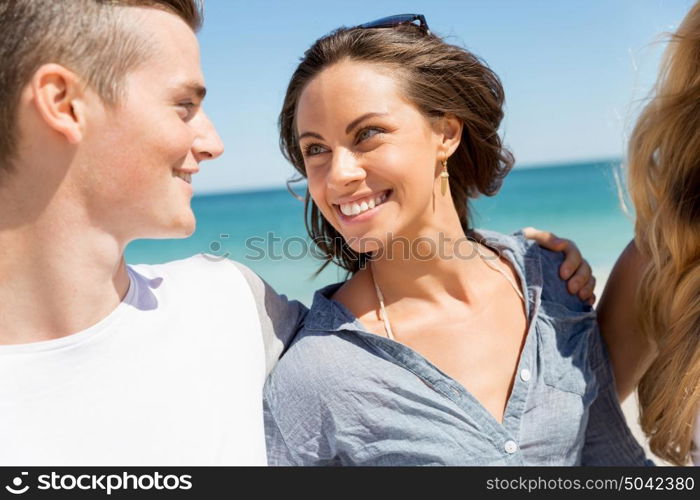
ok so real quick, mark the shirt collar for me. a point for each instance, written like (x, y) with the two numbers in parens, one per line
(329, 315)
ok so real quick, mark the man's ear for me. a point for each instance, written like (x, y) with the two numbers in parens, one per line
(57, 94)
(450, 129)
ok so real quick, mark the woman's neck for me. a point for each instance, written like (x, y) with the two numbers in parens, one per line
(431, 265)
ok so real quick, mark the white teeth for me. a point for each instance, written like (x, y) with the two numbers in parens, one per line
(357, 208)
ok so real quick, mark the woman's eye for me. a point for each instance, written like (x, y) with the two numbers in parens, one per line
(313, 149)
(367, 133)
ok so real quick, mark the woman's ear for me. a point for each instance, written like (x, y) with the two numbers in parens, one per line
(57, 95)
(450, 130)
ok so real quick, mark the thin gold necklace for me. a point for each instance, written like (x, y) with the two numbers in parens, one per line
(382, 310)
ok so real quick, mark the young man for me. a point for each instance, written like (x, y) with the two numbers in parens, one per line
(103, 363)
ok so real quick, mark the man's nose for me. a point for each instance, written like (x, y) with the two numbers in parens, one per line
(207, 145)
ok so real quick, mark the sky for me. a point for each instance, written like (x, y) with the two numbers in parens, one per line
(575, 72)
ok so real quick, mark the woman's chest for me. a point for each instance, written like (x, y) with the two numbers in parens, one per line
(478, 349)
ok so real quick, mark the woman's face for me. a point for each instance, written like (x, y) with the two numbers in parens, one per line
(372, 158)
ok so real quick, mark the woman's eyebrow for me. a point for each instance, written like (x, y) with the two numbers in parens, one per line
(311, 134)
(352, 125)
(360, 119)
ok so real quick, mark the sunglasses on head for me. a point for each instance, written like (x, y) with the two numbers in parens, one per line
(397, 20)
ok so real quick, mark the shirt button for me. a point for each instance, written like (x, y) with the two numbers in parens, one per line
(511, 447)
(525, 374)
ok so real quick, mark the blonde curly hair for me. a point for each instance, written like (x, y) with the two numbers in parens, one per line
(664, 183)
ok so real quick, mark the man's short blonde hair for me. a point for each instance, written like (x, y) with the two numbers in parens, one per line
(94, 38)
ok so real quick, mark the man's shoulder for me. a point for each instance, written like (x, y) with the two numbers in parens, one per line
(225, 280)
(199, 266)
(198, 275)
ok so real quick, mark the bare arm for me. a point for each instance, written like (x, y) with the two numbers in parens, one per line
(630, 352)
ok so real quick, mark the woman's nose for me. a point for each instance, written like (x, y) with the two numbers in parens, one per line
(345, 169)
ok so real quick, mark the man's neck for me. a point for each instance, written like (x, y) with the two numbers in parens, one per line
(57, 278)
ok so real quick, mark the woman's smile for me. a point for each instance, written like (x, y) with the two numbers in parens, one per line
(361, 209)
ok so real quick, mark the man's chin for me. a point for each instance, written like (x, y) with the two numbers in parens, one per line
(184, 234)
(187, 230)
(183, 225)
(178, 229)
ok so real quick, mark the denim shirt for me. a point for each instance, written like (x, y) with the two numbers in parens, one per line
(344, 396)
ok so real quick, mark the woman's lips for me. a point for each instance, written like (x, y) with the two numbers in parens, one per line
(366, 214)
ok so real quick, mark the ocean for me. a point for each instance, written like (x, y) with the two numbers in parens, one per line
(265, 229)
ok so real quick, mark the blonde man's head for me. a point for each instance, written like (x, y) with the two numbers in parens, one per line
(96, 39)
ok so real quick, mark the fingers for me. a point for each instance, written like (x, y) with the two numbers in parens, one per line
(573, 261)
(575, 269)
(545, 239)
(580, 278)
(586, 292)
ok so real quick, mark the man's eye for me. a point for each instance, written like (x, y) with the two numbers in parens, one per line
(186, 109)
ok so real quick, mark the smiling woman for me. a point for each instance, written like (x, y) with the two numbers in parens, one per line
(473, 98)
(465, 348)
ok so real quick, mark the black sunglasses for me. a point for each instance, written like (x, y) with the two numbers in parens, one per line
(392, 21)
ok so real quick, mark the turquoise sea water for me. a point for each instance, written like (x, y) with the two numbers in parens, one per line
(578, 201)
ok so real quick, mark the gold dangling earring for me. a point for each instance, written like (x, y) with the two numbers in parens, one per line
(443, 177)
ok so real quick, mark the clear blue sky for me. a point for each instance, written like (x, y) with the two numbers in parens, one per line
(574, 71)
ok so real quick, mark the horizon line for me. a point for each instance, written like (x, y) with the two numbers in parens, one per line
(526, 166)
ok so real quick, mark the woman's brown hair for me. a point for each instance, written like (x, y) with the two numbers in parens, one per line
(439, 79)
(664, 182)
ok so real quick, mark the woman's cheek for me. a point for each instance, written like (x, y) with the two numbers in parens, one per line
(317, 192)
(314, 187)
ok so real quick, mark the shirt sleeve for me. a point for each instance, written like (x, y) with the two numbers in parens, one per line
(280, 318)
(609, 440)
(278, 453)
(301, 421)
